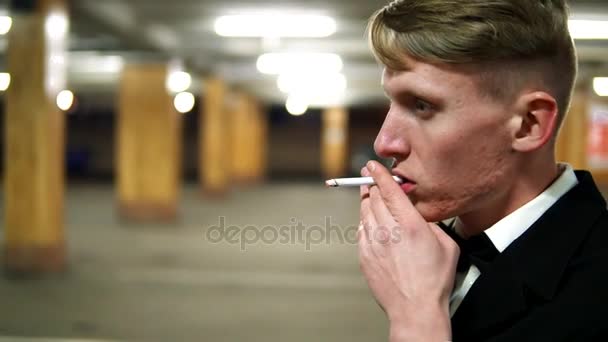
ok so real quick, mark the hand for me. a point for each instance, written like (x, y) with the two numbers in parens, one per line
(409, 264)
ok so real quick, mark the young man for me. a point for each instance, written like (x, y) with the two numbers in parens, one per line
(478, 90)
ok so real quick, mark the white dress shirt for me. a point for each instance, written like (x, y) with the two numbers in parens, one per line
(510, 227)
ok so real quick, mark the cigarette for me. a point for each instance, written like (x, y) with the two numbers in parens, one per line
(355, 181)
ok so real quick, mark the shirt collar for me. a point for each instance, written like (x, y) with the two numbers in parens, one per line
(510, 227)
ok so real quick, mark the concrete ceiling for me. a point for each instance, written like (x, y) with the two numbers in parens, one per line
(108, 33)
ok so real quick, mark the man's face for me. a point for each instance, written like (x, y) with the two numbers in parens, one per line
(451, 141)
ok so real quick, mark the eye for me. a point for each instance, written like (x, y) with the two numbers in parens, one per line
(422, 106)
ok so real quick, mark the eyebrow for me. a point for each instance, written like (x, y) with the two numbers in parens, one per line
(392, 71)
(429, 97)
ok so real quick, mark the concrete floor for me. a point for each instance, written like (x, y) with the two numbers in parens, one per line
(177, 283)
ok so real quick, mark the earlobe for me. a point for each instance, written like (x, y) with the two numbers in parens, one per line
(536, 121)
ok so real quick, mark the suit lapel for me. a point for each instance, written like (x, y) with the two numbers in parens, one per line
(530, 269)
(496, 298)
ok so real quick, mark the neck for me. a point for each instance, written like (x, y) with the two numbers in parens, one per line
(530, 180)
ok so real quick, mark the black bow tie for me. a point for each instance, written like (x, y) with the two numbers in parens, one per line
(478, 250)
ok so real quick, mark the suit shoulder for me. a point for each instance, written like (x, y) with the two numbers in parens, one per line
(596, 243)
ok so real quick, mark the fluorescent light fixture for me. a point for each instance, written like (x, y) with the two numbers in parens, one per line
(85, 62)
(309, 83)
(278, 63)
(275, 25)
(184, 102)
(600, 86)
(65, 100)
(5, 81)
(6, 23)
(588, 29)
(324, 100)
(178, 81)
(296, 105)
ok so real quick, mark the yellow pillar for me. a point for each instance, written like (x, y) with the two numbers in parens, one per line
(248, 139)
(34, 145)
(214, 173)
(334, 144)
(237, 111)
(261, 142)
(148, 145)
(256, 158)
(572, 141)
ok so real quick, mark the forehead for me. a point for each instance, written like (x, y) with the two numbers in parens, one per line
(435, 78)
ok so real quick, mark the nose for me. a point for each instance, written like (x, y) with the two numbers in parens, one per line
(391, 141)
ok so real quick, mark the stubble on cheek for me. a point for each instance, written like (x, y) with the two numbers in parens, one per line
(438, 202)
(470, 185)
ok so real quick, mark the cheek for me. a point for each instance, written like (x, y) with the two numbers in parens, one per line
(443, 156)
(460, 174)
(477, 159)
(476, 145)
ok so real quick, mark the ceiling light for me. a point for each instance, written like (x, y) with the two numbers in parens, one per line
(296, 105)
(322, 100)
(278, 63)
(310, 83)
(178, 81)
(5, 81)
(600, 86)
(588, 29)
(275, 25)
(65, 99)
(56, 25)
(184, 102)
(5, 24)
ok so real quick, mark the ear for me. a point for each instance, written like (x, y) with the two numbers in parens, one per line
(535, 121)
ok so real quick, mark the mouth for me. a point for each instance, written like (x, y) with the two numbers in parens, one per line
(408, 185)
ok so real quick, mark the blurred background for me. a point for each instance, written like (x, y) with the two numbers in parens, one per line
(163, 166)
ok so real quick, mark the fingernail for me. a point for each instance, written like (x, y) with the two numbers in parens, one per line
(364, 172)
(371, 165)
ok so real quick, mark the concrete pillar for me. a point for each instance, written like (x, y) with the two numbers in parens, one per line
(148, 145)
(35, 144)
(334, 142)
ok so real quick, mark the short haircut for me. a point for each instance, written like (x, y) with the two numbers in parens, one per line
(510, 42)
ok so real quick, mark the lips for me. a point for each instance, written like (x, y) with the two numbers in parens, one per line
(402, 176)
(408, 185)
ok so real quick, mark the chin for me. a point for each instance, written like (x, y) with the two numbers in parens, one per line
(434, 213)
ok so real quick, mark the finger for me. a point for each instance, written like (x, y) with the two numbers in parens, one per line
(366, 256)
(363, 243)
(380, 235)
(378, 207)
(394, 198)
(367, 259)
(448, 244)
(366, 215)
(364, 189)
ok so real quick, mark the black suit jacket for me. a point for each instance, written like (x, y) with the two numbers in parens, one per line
(551, 283)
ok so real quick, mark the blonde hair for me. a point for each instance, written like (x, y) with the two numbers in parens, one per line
(509, 41)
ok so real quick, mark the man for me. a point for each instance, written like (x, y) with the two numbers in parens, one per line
(478, 90)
